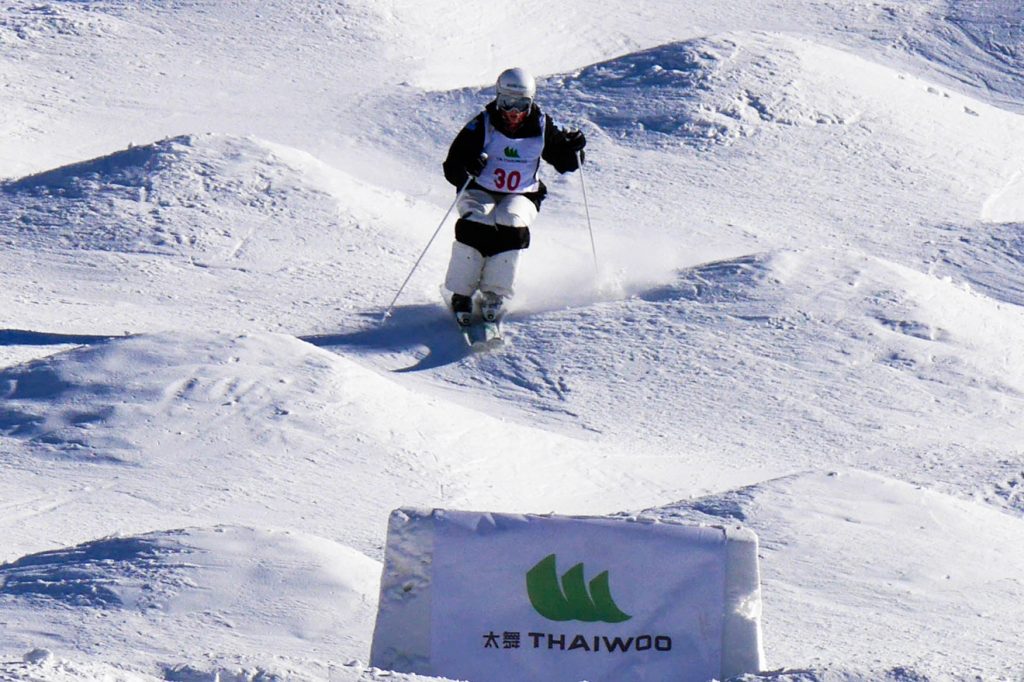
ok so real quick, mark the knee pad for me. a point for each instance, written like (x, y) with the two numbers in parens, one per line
(491, 239)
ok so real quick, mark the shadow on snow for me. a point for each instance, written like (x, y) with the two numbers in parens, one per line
(409, 329)
(22, 337)
(89, 574)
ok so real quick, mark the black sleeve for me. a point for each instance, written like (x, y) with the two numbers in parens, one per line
(557, 151)
(467, 145)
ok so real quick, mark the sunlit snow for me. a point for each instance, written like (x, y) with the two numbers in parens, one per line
(806, 317)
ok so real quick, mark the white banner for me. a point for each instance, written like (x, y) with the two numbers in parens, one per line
(518, 598)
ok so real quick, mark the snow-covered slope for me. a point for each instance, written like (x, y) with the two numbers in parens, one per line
(889, 549)
(807, 316)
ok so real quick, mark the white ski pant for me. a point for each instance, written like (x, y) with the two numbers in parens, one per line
(469, 270)
(480, 206)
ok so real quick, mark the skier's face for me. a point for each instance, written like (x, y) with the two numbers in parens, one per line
(513, 119)
(514, 110)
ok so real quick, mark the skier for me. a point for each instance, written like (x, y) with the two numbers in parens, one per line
(499, 152)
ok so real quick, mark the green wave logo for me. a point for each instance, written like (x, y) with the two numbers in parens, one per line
(511, 152)
(572, 598)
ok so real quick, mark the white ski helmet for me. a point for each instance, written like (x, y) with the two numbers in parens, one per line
(515, 89)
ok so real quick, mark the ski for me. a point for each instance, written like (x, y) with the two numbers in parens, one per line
(469, 334)
(492, 338)
(480, 335)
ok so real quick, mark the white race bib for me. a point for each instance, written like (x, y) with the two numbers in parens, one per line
(512, 163)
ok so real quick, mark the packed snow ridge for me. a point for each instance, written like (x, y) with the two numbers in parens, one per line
(159, 588)
(879, 541)
(177, 196)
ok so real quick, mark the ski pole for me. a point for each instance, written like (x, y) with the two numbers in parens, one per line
(458, 196)
(586, 206)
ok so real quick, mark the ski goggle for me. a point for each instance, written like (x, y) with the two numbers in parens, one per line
(513, 103)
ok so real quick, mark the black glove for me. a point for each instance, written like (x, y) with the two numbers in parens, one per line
(474, 167)
(576, 140)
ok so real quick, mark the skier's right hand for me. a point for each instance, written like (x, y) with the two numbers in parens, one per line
(474, 167)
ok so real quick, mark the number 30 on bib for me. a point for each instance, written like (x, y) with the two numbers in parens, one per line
(507, 181)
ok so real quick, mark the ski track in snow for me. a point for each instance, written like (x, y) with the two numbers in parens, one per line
(807, 317)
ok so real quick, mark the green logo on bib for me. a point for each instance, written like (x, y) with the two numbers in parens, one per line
(511, 152)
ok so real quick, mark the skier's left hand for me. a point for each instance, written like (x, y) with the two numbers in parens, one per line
(576, 140)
